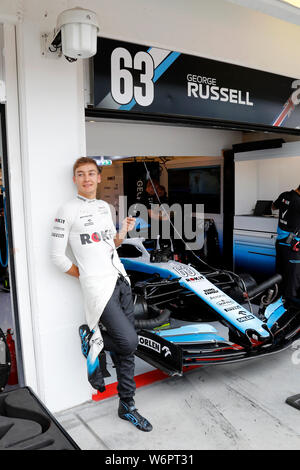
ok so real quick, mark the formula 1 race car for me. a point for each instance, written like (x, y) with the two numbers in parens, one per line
(192, 314)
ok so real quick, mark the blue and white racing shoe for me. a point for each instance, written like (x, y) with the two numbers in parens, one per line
(85, 336)
(129, 412)
(91, 347)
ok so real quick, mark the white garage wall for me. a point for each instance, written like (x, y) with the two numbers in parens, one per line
(53, 135)
(115, 138)
(215, 29)
(263, 175)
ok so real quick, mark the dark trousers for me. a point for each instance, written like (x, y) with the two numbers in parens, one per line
(288, 265)
(120, 337)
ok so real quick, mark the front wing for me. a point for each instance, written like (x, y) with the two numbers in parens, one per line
(173, 356)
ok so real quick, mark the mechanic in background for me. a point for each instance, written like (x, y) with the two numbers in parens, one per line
(151, 201)
(156, 202)
(288, 242)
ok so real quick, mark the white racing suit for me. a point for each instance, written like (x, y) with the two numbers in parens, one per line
(87, 225)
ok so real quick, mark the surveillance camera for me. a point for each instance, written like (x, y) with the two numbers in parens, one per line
(75, 34)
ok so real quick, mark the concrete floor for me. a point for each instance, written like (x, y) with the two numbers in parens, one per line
(240, 406)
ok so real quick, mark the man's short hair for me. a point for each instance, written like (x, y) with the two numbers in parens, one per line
(83, 161)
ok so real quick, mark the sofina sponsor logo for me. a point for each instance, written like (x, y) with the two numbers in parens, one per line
(210, 291)
(225, 302)
(57, 235)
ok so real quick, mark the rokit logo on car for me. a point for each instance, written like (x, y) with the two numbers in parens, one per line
(194, 279)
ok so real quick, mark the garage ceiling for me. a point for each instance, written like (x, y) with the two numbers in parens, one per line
(276, 8)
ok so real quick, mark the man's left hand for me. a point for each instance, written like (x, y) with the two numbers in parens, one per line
(127, 225)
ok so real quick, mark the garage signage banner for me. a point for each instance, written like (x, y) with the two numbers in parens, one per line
(134, 78)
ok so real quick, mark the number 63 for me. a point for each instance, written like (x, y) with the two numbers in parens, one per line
(123, 89)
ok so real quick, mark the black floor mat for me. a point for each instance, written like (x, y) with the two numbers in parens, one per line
(25, 424)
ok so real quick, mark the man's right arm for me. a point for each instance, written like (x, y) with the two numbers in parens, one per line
(59, 240)
(73, 271)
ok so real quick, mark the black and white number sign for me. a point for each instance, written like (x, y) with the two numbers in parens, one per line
(131, 77)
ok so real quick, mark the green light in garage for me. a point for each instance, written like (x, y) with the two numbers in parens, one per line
(102, 161)
(105, 162)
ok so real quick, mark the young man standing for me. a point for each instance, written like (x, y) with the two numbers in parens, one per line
(86, 224)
